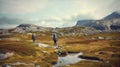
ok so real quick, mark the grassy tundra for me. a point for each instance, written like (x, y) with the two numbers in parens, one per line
(107, 49)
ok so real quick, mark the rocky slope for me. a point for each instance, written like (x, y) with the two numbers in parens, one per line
(109, 23)
(66, 31)
(113, 15)
(75, 31)
(23, 28)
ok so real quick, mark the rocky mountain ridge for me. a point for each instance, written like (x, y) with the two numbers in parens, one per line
(108, 23)
(66, 31)
(23, 28)
(113, 15)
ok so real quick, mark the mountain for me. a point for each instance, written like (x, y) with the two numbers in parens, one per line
(90, 23)
(113, 15)
(108, 23)
(66, 31)
(22, 28)
(75, 31)
(84, 22)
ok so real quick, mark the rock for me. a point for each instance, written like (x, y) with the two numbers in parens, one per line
(62, 54)
(37, 65)
(101, 52)
(41, 45)
(44, 51)
(6, 55)
(53, 63)
(90, 58)
(6, 65)
(99, 37)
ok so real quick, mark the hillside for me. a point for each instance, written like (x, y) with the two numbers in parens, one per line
(108, 23)
(23, 28)
(66, 31)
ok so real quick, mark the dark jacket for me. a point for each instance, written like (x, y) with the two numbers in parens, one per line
(33, 37)
(54, 37)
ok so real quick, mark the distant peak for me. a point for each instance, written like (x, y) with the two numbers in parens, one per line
(116, 12)
(113, 15)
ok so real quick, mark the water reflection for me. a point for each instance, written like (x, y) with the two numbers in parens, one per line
(69, 59)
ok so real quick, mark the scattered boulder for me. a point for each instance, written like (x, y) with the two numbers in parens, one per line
(6, 55)
(99, 37)
(53, 63)
(6, 65)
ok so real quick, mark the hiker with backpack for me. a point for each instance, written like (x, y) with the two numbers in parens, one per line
(55, 39)
(33, 37)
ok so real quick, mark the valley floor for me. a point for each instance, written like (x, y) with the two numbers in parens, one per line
(18, 50)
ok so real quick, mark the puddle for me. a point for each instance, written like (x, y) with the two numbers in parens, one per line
(71, 58)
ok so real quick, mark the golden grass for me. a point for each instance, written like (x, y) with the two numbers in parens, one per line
(26, 52)
(22, 48)
(114, 35)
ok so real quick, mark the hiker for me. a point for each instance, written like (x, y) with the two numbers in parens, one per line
(33, 37)
(55, 39)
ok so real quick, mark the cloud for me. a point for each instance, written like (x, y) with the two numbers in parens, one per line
(6, 22)
(69, 20)
(46, 23)
(22, 6)
(54, 13)
(57, 18)
(97, 8)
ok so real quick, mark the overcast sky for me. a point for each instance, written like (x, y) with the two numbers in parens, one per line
(53, 13)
